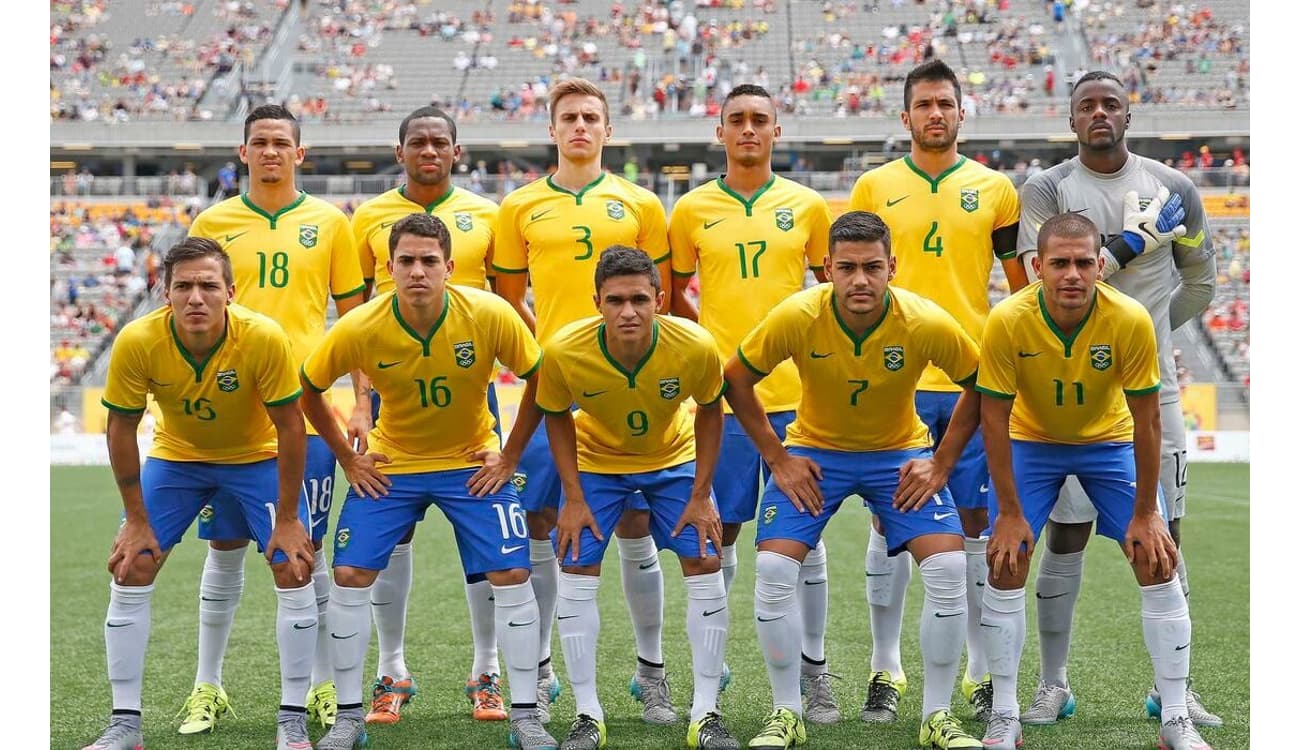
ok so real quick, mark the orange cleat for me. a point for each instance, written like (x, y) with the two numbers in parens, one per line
(389, 697)
(485, 694)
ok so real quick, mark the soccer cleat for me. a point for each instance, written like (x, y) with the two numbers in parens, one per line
(653, 692)
(528, 734)
(207, 703)
(485, 695)
(1051, 702)
(388, 697)
(291, 734)
(781, 730)
(980, 696)
(882, 697)
(323, 704)
(121, 734)
(819, 702)
(709, 734)
(1195, 709)
(586, 733)
(548, 689)
(726, 678)
(1003, 733)
(1180, 734)
(942, 731)
(347, 733)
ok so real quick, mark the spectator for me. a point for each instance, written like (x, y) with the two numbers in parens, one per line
(227, 181)
(66, 422)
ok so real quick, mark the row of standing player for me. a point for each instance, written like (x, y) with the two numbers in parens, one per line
(757, 271)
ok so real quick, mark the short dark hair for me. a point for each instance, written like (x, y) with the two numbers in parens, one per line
(621, 260)
(421, 225)
(934, 70)
(1098, 75)
(1070, 225)
(193, 248)
(859, 226)
(272, 112)
(422, 113)
(745, 89)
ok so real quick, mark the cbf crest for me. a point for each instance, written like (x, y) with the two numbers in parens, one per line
(1099, 355)
(228, 380)
(464, 352)
(615, 210)
(893, 358)
(785, 219)
(970, 199)
(307, 235)
(464, 222)
(669, 388)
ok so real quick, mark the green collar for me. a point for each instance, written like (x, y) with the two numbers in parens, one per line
(424, 342)
(198, 366)
(401, 190)
(1067, 341)
(858, 341)
(302, 196)
(578, 195)
(748, 204)
(631, 376)
(934, 183)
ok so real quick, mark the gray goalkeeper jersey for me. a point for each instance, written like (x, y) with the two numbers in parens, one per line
(1175, 281)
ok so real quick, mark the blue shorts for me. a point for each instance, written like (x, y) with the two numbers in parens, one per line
(317, 492)
(1106, 471)
(541, 482)
(176, 492)
(969, 481)
(490, 531)
(874, 476)
(742, 473)
(491, 399)
(665, 492)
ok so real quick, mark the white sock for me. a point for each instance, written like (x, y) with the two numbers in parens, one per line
(775, 611)
(220, 589)
(545, 578)
(887, 580)
(643, 588)
(1057, 590)
(977, 573)
(943, 622)
(579, 621)
(814, 595)
(349, 634)
(729, 562)
(126, 636)
(1182, 577)
(483, 613)
(517, 620)
(322, 670)
(1003, 627)
(296, 629)
(389, 597)
(1167, 630)
(707, 621)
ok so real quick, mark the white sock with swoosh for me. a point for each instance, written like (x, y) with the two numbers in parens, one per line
(517, 624)
(349, 634)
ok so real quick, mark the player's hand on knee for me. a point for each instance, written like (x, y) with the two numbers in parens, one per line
(574, 517)
(702, 514)
(918, 481)
(1151, 534)
(798, 478)
(133, 539)
(292, 539)
(1010, 533)
(1160, 222)
(492, 475)
(364, 475)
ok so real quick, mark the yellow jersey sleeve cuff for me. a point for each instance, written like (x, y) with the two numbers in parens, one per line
(1142, 391)
(120, 409)
(499, 269)
(968, 380)
(532, 370)
(286, 400)
(665, 257)
(303, 373)
(352, 293)
(995, 394)
(741, 356)
(557, 412)
(683, 274)
(722, 392)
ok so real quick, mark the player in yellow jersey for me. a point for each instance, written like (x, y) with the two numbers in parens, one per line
(860, 347)
(949, 217)
(549, 231)
(428, 151)
(630, 372)
(291, 253)
(430, 349)
(752, 236)
(224, 379)
(1072, 386)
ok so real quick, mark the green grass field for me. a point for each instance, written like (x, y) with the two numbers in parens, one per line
(1110, 670)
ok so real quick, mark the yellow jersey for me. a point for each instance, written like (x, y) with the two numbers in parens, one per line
(751, 255)
(941, 232)
(637, 420)
(859, 392)
(1070, 389)
(470, 219)
(213, 410)
(557, 237)
(433, 390)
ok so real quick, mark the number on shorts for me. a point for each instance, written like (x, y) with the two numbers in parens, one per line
(512, 521)
(319, 492)
(1180, 468)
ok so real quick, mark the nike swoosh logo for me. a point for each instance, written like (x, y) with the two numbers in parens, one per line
(566, 617)
(815, 355)
(814, 583)
(209, 599)
(117, 624)
(1078, 210)
(386, 365)
(1039, 594)
(986, 625)
(514, 624)
(387, 224)
(539, 214)
(232, 237)
(872, 575)
(160, 385)
(1026, 355)
(707, 613)
(342, 637)
(1182, 647)
(951, 614)
(296, 626)
(380, 604)
(593, 394)
(649, 565)
(941, 516)
(770, 619)
(984, 488)
(889, 203)
(711, 224)
(507, 550)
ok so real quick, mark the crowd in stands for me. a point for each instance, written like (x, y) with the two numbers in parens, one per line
(1228, 317)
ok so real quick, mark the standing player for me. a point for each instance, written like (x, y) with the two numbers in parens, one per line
(291, 253)
(630, 372)
(1170, 270)
(428, 152)
(1071, 385)
(223, 377)
(429, 349)
(752, 236)
(548, 230)
(860, 349)
(949, 216)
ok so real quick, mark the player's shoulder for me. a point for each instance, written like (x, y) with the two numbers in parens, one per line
(786, 187)
(468, 200)
(574, 336)
(322, 208)
(805, 305)
(910, 304)
(1018, 304)
(1119, 304)
(249, 324)
(145, 329)
(1176, 181)
(233, 207)
(525, 194)
(977, 171)
(683, 328)
(479, 304)
(379, 204)
(619, 184)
